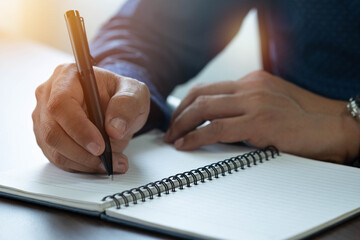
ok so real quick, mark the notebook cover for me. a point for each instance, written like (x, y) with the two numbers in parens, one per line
(52, 205)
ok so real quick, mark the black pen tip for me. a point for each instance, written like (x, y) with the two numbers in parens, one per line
(106, 159)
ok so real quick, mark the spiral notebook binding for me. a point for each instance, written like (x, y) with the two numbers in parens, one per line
(189, 177)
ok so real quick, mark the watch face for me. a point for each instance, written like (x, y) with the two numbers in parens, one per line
(357, 100)
(354, 107)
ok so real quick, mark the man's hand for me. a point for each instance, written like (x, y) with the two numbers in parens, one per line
(67, 136)
(266, 110)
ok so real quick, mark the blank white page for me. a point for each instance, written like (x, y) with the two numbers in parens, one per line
(283, 198)
(150, 159)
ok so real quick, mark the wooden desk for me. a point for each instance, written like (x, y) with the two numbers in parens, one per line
(23, 66)
(20, 220)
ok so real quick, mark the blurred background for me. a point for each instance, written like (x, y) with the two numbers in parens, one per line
(42, 21)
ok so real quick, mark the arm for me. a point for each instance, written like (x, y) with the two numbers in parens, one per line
(165, 43)
(160, 43)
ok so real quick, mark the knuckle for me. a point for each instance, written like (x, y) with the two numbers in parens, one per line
(38, 142)
(127, 106)
(130, 100)
(39, 92)
(216, 127)
(64, 66)
(199, 86)
(145, 96)
(201, 103)
(144, 89)
(34, 115)
(259, 97)
(59, 68)
(260, 73)
(55, 104)
(127, 99)
(258, 79)
(37, 138)
(194, 90)
(64, 70)
(51, 134)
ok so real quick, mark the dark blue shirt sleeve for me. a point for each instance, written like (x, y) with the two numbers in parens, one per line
(165, 43)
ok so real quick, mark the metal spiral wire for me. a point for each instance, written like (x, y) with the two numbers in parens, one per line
(183, 179)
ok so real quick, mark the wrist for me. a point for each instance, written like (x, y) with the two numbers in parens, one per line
(351, 137)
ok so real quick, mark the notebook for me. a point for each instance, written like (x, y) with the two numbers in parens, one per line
(220, 191)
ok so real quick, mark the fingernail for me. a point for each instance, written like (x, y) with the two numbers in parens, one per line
(118, 161)
(119, 125)
(178, 143)
(120, 168)
(93, 148)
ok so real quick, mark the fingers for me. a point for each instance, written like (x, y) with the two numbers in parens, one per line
(69, 165)
(62, 128)
(54, 137)
(225, 87)
(65, 107)
(259, 108)
(128, 109)
(67, 154)
(220, 130)
(206, 108)
(120, 162)
(73, 120)
(223, 111)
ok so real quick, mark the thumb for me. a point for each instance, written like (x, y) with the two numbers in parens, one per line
(127, 109)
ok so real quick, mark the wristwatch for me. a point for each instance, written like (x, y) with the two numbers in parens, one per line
(354, 107)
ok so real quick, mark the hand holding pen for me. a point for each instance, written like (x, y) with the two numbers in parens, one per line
(62, 124)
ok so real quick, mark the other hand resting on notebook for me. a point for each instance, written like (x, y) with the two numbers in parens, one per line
(66, 135)
(266, 110)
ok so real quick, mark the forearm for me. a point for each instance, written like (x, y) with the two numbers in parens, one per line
(165, 43)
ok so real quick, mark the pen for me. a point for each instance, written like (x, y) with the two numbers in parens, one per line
(76, 28)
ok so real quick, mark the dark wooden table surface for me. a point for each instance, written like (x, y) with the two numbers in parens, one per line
(21, 220)
(23, 66)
